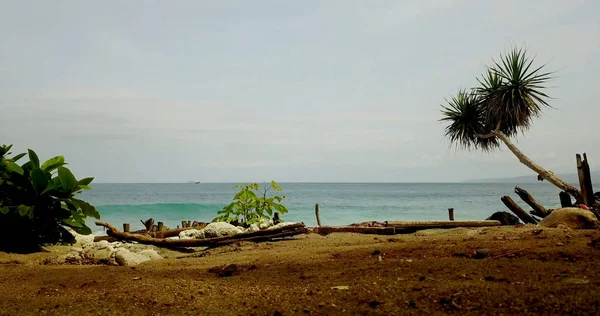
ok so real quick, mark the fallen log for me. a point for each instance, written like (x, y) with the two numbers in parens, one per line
(517, 210)
(326, 230)
(261, 235)
(538, 209)
(419, 225)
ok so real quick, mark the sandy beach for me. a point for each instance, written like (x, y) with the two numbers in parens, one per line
(527, 270)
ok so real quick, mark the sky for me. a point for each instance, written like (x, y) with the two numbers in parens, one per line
(292, 91)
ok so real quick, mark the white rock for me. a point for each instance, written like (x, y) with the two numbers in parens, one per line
(96, 254)
(280, 225)
(151, 253)
(125, 257)
(264, 224)
(253, 228)
(101, 244)
(220, 229)
(81, 240)
(192, 234)
(572, 217)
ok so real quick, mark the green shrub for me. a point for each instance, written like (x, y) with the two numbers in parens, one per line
(248, 208)
(37, 201)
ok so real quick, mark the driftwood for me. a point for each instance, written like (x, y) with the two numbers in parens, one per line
(419, 225)
(260, 235)
(148, 224)
(451, 214)
(126, 227)
(585, 180)
(538, 209)
(325, 230)
(515, 208)
(317, 214)
(565, 199)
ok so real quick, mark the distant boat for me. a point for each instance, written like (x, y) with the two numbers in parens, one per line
(197, 182)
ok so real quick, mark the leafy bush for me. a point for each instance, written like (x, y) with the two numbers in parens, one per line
(248, 208)
(37, 201)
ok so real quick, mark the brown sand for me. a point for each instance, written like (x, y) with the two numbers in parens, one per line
(528, 271)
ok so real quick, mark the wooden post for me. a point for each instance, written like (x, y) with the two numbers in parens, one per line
(565, 199)
(154, 228)
(585, 180)
(161, 227)
(538, 209)
(184, 224)
(317, 214)
(515, 208)
(451, 213)
(148, 224)
(189, 224)
(276, 218)
(126, 227)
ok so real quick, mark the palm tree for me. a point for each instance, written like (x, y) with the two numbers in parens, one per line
(509, 96)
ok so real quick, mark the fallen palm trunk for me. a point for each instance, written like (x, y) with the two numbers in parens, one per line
(515, 208)
(261, 235)
(325, 230)
(538, 209)
(419, 225)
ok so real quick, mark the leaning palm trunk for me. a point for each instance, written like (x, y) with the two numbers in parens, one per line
(545, 174)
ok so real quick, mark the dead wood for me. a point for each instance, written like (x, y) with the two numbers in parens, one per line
(260, 235)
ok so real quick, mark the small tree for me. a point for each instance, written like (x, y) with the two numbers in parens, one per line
(509, 97)
(248, 208)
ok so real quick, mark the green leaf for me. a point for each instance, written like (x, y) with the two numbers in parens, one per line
(52, 185)
(39, 180)
(71, 222)
(25, 210)
(13, 167)
(4, 210)
(83, 230)
(87, 208)
(83, 187)
(34, 159)
(85, 181)
(67, 179)
(17, 157)
(53, 163)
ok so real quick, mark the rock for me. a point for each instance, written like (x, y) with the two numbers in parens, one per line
(82, 240)
(481, 253)
(101, 244)
(125, 257)
(219, 229)
(571, 217)
(98, 253)
(192, 234)
(280, 225)
(264, 224)
(505, 218)
(151, 253)
(252, 228)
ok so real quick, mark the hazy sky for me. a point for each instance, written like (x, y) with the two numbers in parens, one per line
(226, 91)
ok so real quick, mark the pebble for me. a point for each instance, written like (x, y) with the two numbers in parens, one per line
(481, 253)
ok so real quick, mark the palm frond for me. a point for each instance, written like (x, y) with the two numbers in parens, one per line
(511, 92)
(466, 122)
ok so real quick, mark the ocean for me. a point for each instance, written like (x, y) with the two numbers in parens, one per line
(339, 203)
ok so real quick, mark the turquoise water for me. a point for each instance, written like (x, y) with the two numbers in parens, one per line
(339, 203)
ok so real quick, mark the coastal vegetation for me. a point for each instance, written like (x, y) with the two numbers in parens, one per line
(510, 95)
(37, 201)
(251, 204)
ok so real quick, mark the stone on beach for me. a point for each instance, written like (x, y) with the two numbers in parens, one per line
(572, 217)
(505, 218)
(192, 234)
(124, 257)
(219, 229)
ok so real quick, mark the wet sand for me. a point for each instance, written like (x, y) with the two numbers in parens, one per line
(526, 271)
